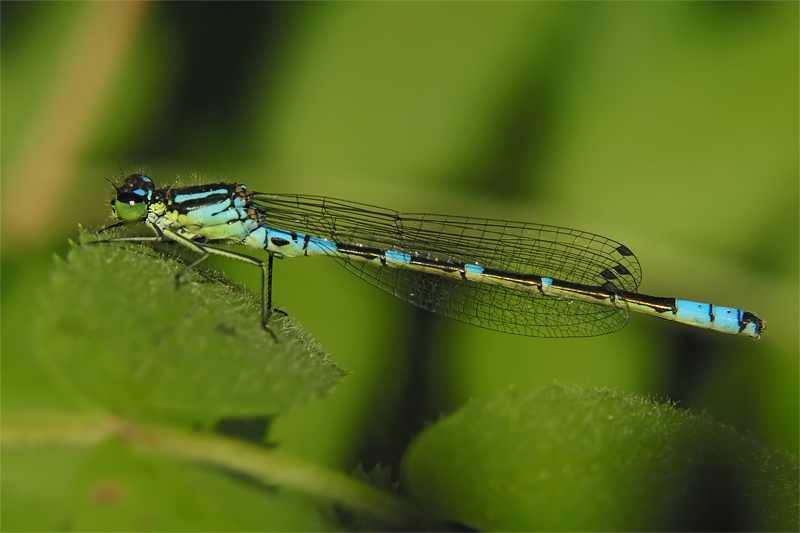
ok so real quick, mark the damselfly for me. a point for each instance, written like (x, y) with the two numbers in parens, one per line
(514, 277)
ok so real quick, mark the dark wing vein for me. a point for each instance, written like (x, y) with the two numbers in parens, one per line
(514, 247)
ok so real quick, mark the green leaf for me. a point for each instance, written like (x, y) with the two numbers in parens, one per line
(573, 459)
(117, 335)
(146, 360)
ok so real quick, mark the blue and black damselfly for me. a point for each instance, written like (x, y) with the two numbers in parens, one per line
(514, 277)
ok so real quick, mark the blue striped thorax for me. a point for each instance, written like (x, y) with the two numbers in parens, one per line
(217, 212)
(214, 212)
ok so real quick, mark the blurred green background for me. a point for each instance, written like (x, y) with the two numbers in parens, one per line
(670, 127)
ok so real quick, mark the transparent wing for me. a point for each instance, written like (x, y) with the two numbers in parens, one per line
(492, 307)
(516, 247)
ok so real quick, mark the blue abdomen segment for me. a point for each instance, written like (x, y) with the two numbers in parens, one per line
(288, 243)
(723, 319)
(397, 258)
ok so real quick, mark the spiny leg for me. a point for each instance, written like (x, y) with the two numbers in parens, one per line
(205, 251)
(266, 279)
(161, 236)
(110, 226)
(158, 237)
(269, 290)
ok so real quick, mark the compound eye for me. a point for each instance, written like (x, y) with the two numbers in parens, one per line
(128, 207)
(133, 197)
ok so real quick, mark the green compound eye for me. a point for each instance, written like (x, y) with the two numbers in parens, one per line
(133, 197)
(130, 211)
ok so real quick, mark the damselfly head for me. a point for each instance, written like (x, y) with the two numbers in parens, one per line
(133, 198)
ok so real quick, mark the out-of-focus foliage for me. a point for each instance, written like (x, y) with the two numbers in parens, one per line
(559, 459)
(671, 127)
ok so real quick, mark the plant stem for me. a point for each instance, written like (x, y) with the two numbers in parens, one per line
(270, 466)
